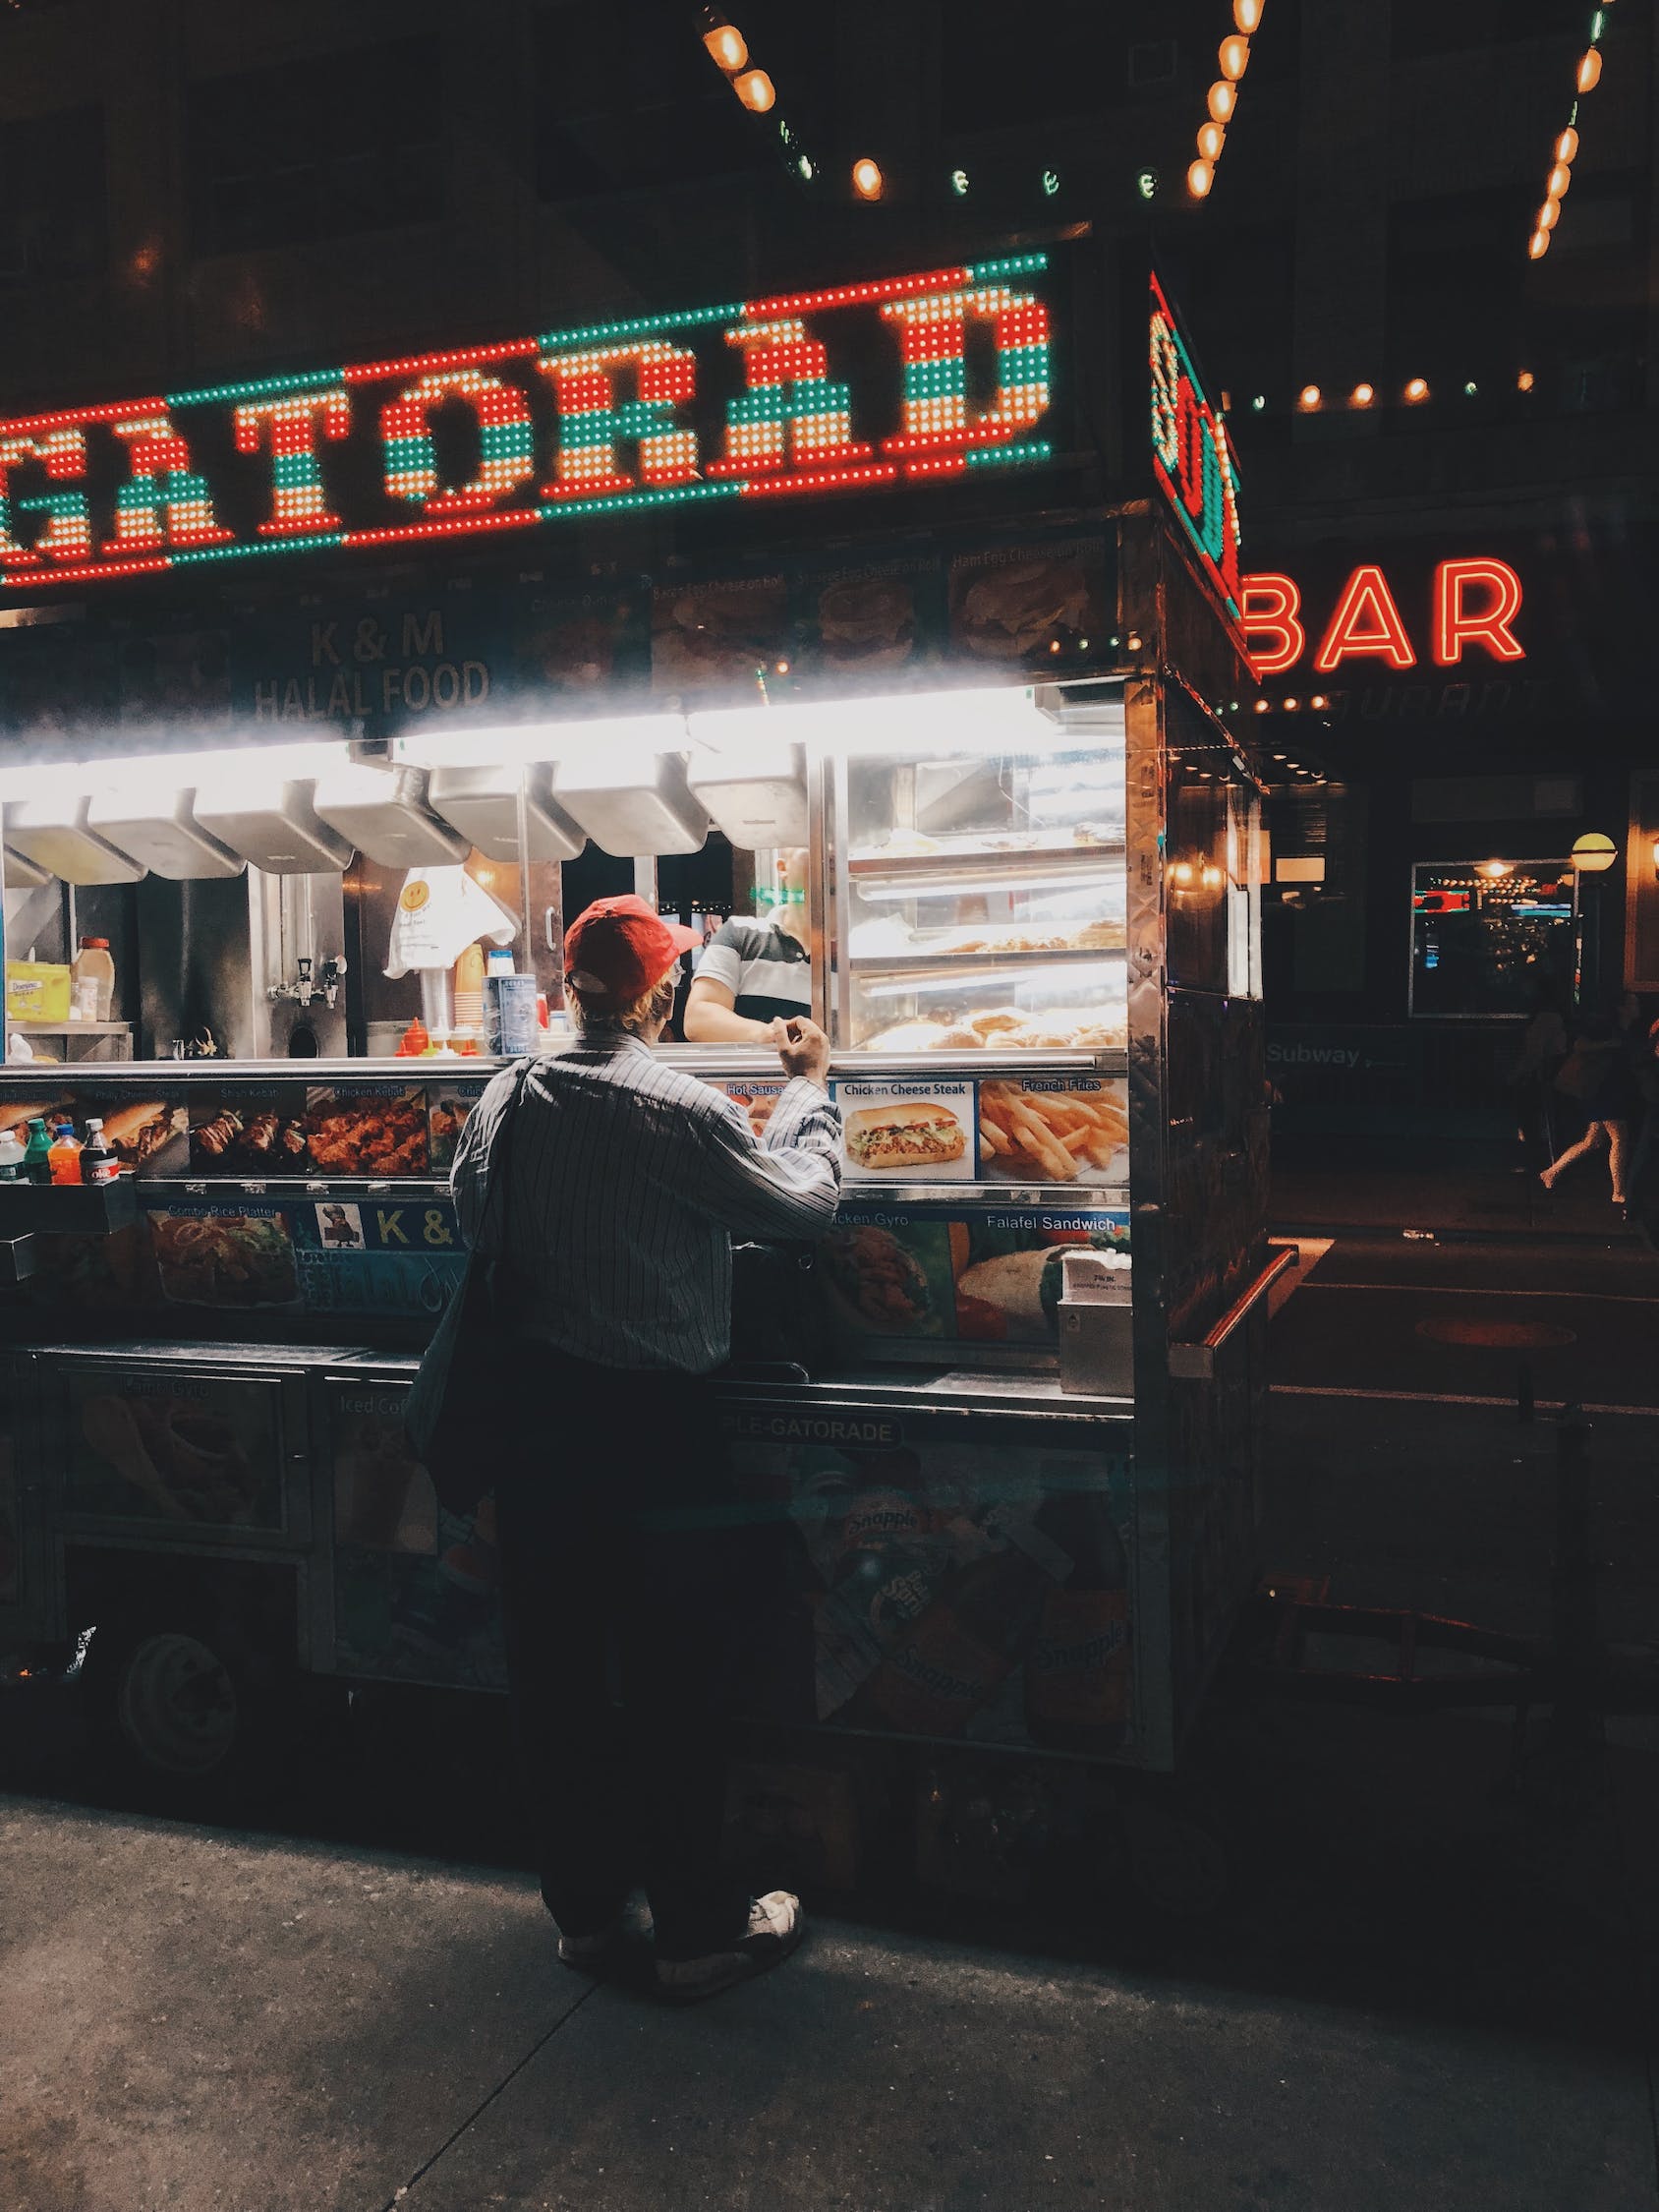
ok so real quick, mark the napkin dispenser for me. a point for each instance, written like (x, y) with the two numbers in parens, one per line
(1095, 1317)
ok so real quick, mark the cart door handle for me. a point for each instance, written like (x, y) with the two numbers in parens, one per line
(1196, 1362)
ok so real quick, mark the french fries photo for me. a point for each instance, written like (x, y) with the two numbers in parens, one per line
(1050, 1136)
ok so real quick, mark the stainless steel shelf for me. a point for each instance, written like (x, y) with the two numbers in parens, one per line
(956, 964)
(1064, 857)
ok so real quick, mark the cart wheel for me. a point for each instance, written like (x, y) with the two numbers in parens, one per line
(1178, 1867)
(178, 1706)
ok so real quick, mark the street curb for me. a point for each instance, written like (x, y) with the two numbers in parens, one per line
(1630, 1239)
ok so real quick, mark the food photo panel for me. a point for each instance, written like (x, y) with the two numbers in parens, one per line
(1055, 1128)
(907, 1132)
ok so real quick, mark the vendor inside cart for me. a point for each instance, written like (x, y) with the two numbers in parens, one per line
(756, 976)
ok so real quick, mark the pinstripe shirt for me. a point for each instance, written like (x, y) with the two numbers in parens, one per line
(628, 1181)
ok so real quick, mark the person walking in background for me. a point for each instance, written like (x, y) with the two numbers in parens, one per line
(1543, 1049)
(1644, 1060)
(1598, 1072)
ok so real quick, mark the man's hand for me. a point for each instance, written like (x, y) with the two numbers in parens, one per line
(805, 1050)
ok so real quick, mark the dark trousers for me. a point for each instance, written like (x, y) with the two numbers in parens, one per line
(620, 1568)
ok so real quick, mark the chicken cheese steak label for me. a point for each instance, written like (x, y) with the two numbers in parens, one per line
(921, 1131)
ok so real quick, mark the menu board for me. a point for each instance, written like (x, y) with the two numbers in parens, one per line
(1047, 1130)
(180, 1448)
(990, 1276)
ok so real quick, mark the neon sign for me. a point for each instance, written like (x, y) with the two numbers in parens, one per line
(536, 430)
(1190, 455)
(1472, 602)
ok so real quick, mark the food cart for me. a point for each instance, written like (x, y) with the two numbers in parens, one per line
(979, 665)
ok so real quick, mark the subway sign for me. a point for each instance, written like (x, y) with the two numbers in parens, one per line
(1472, 606)
(910, 379)
(1191, 459)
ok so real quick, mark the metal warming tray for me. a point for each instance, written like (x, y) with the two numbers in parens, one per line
(633, 805)
(270, 820)
(383, 812)
(163, 833)
(755, 793)
(482, 802)
(55, 835)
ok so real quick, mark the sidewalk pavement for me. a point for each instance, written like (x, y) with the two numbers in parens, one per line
(1482, 1195)
(201, 2021)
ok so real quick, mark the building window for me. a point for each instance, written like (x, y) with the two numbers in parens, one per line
(52, 195)
(315, 148)
(1490, 937)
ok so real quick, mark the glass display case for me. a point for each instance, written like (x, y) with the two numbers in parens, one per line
(980, 891)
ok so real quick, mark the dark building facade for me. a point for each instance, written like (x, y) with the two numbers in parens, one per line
(195, 193)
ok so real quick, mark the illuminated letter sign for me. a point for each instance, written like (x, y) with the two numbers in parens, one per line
(1496, 589)
(1366, 621)
(1190, 455)
(1473, 603)
(1270, 604)
(527, 433)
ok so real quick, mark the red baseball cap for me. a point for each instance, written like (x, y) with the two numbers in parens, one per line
(617, 950)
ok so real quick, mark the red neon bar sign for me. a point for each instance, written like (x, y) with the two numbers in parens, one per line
(536, 430)
(1473, 602)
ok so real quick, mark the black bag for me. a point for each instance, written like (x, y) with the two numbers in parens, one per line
(779, 1316)
(469, 1369)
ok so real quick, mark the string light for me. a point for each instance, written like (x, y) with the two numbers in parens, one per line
(1307, 399)
(727, 48)
(866, 179)
(1565, 152)
(756, 90)
(1363, 394)
(1232, 58)
(1417, 390)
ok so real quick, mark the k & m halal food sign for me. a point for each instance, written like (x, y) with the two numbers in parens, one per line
(913, 380)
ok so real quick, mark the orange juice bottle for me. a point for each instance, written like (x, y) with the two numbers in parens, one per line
(65, 1155)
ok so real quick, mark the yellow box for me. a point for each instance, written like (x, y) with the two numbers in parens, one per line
(36, 991)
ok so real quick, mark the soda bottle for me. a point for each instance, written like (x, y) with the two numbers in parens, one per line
(99, 1163)
(63, 1156)
(11, 1156)
(951, 1660)
(1077, 1671)
(38, 1154)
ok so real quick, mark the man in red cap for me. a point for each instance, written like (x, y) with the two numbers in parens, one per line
(626, 1179)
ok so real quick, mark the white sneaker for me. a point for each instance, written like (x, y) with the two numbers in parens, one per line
(777, 1925)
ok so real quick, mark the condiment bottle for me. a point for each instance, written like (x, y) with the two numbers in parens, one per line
(38, 1154)
(93, 963)
(99, 1163)
(414, 1040)
(11, 1156)
(64, 1157)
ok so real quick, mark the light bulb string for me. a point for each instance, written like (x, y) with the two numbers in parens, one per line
(1232, 58)
(1563, 151)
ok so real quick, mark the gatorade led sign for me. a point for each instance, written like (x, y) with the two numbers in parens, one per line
(1190, 455)
(1472, 606)
(754, 399)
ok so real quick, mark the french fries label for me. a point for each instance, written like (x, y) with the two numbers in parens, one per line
(915, 1131)
(1055, 1129)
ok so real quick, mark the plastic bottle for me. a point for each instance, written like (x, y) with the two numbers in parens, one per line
(64, 1157)
(38, 1155)
(11, 1156)
(93, 962)
(99, 1163)
(414, 1040)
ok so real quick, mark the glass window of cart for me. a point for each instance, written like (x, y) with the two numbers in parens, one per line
(1212, 871)
(1489, 936)
(980, 876)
